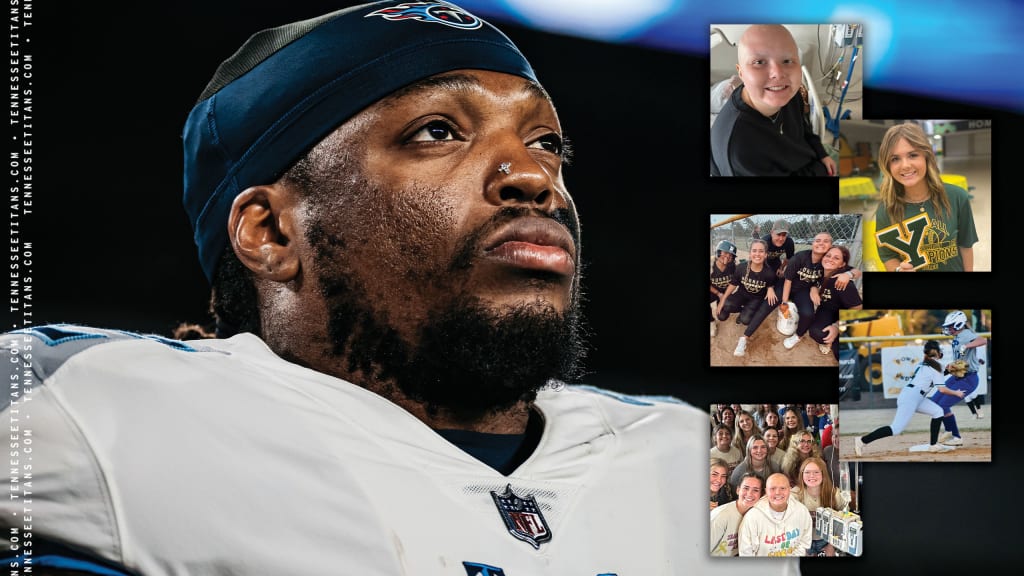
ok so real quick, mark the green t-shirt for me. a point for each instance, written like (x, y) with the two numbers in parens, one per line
(929, 239)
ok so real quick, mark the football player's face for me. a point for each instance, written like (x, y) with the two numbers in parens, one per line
(422, 207)
(440, 235)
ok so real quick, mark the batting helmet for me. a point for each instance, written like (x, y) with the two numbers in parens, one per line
(725, 246)
(954, 321)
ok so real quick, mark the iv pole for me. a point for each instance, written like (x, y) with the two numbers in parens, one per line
(832, 124)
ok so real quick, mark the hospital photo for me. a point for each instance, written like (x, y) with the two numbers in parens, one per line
(778, 486)
(780, 94)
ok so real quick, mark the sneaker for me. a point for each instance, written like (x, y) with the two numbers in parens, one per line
(714, 329)
(824, 348)
(939, 448)
(791, 341)
(741, 347)
(979, 414)
(858, 446)
(945, 436)
(954, 441)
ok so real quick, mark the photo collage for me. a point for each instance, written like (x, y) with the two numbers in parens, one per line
(811, 289)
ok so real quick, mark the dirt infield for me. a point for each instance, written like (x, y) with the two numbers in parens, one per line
(977, 448)
(765, 347)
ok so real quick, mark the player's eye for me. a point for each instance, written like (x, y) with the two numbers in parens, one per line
(550, 142)
(434, 131)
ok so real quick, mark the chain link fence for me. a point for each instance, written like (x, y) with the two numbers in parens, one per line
(740, 229)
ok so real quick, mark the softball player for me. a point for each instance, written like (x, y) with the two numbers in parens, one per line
(927, 379)
(722, 271)
(751, 292)
(964, 344)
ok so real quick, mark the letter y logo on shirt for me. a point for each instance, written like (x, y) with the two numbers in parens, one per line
(905, 237)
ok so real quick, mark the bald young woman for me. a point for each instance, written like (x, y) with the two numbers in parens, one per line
(762, 130)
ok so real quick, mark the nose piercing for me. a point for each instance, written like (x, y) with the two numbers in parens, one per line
(505, 168)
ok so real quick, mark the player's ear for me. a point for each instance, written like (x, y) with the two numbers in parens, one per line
(261, 228)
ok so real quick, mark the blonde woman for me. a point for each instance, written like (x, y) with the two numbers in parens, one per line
(801, 447)
(814, 488)
(756, 461)
(922, 223)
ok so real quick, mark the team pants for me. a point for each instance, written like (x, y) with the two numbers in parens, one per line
(819, 323)
(753, 310)
(969, 383)
(805, 308)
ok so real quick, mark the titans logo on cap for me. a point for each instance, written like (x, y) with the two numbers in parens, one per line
(522, 517)
(436, 12)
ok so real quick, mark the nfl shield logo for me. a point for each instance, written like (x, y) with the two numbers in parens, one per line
(522, 517)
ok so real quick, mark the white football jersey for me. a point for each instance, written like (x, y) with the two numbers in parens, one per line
(217, 457)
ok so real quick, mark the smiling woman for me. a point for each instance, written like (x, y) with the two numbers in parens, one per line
(922, 223)
(751, 292)
(763, 128)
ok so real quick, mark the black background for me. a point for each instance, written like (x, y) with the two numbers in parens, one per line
(114, 249)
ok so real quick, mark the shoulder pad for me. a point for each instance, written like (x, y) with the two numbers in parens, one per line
(636, 400)
(43, 349)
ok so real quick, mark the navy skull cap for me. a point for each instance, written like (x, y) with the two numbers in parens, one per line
(288, 87)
